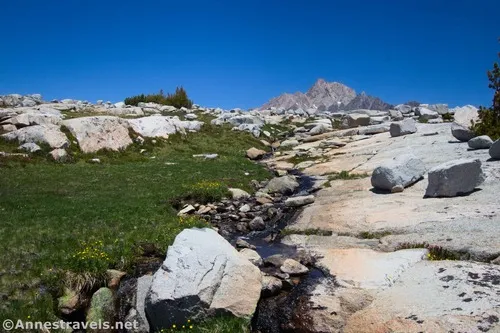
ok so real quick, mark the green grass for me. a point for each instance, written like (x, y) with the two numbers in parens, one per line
(221, 324)
(374, 234)
(308, 232)
(345, 175)
(435, 252)
(50, 213)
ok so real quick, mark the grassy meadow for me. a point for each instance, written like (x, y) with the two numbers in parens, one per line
(85, 218)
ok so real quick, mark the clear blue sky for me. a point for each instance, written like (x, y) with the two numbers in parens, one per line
(242, 53)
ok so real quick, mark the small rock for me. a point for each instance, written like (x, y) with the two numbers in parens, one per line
(186, 210)
(255, 154)
(283, 185)
(245, 208)
(271, 286)
(257, 224)
(495, 150)
(114, 278)
(276, 260)
(454, 178)
(243, 244)
(239, 194)
(397, 189)
(299, 201)
(480, 142)
(30, 147)
(293, 267)
(252, 256)
(59, 155)
(95, 160)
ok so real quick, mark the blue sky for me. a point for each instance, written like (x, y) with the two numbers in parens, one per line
(242, 53)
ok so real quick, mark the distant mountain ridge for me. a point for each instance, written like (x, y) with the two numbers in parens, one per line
(331, 96)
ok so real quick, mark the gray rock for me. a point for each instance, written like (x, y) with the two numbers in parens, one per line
(461, 133)
(426, 114)
(374, 129)
(255, 154)
(137, 314)
(243, 244)
(271, 286)
(102, 309)
(50, 135)
(403, 170)
(157, 126)
(101, 132)
(252, 256)
(257, 224)
(480, 142)
(405, 127)
(202, 275)
(396, 115)
(8, 128)
(283, 185)
(293, 267)
(59, 155)
(357, 119)
(318, 129)
(299, 201)
(276, 260)
(245, 208)
(290, 143)
(439, 108)
(238, 194)
(495, 150)
(454, 178)
(30, 147)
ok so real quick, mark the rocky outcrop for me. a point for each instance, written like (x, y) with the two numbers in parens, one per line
(48, 134)
(156, 126)
(202, 275)
(403, 170)
(435, 296)
(101, 132)
(454, 178)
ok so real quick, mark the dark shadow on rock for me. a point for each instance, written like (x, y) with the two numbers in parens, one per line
(380, 191)
(491, 159)
(459, 194)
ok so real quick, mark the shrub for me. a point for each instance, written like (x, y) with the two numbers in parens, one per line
(489, 118)
(178, 99)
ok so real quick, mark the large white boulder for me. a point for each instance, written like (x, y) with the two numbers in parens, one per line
(101, 132)
(454, 178)
(36, 118)
(47, 134)
(157, 126)
(403, 170)
(202, 276)
(464, 117)
(405, 127)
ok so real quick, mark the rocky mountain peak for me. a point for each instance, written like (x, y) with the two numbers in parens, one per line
(325, 95)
